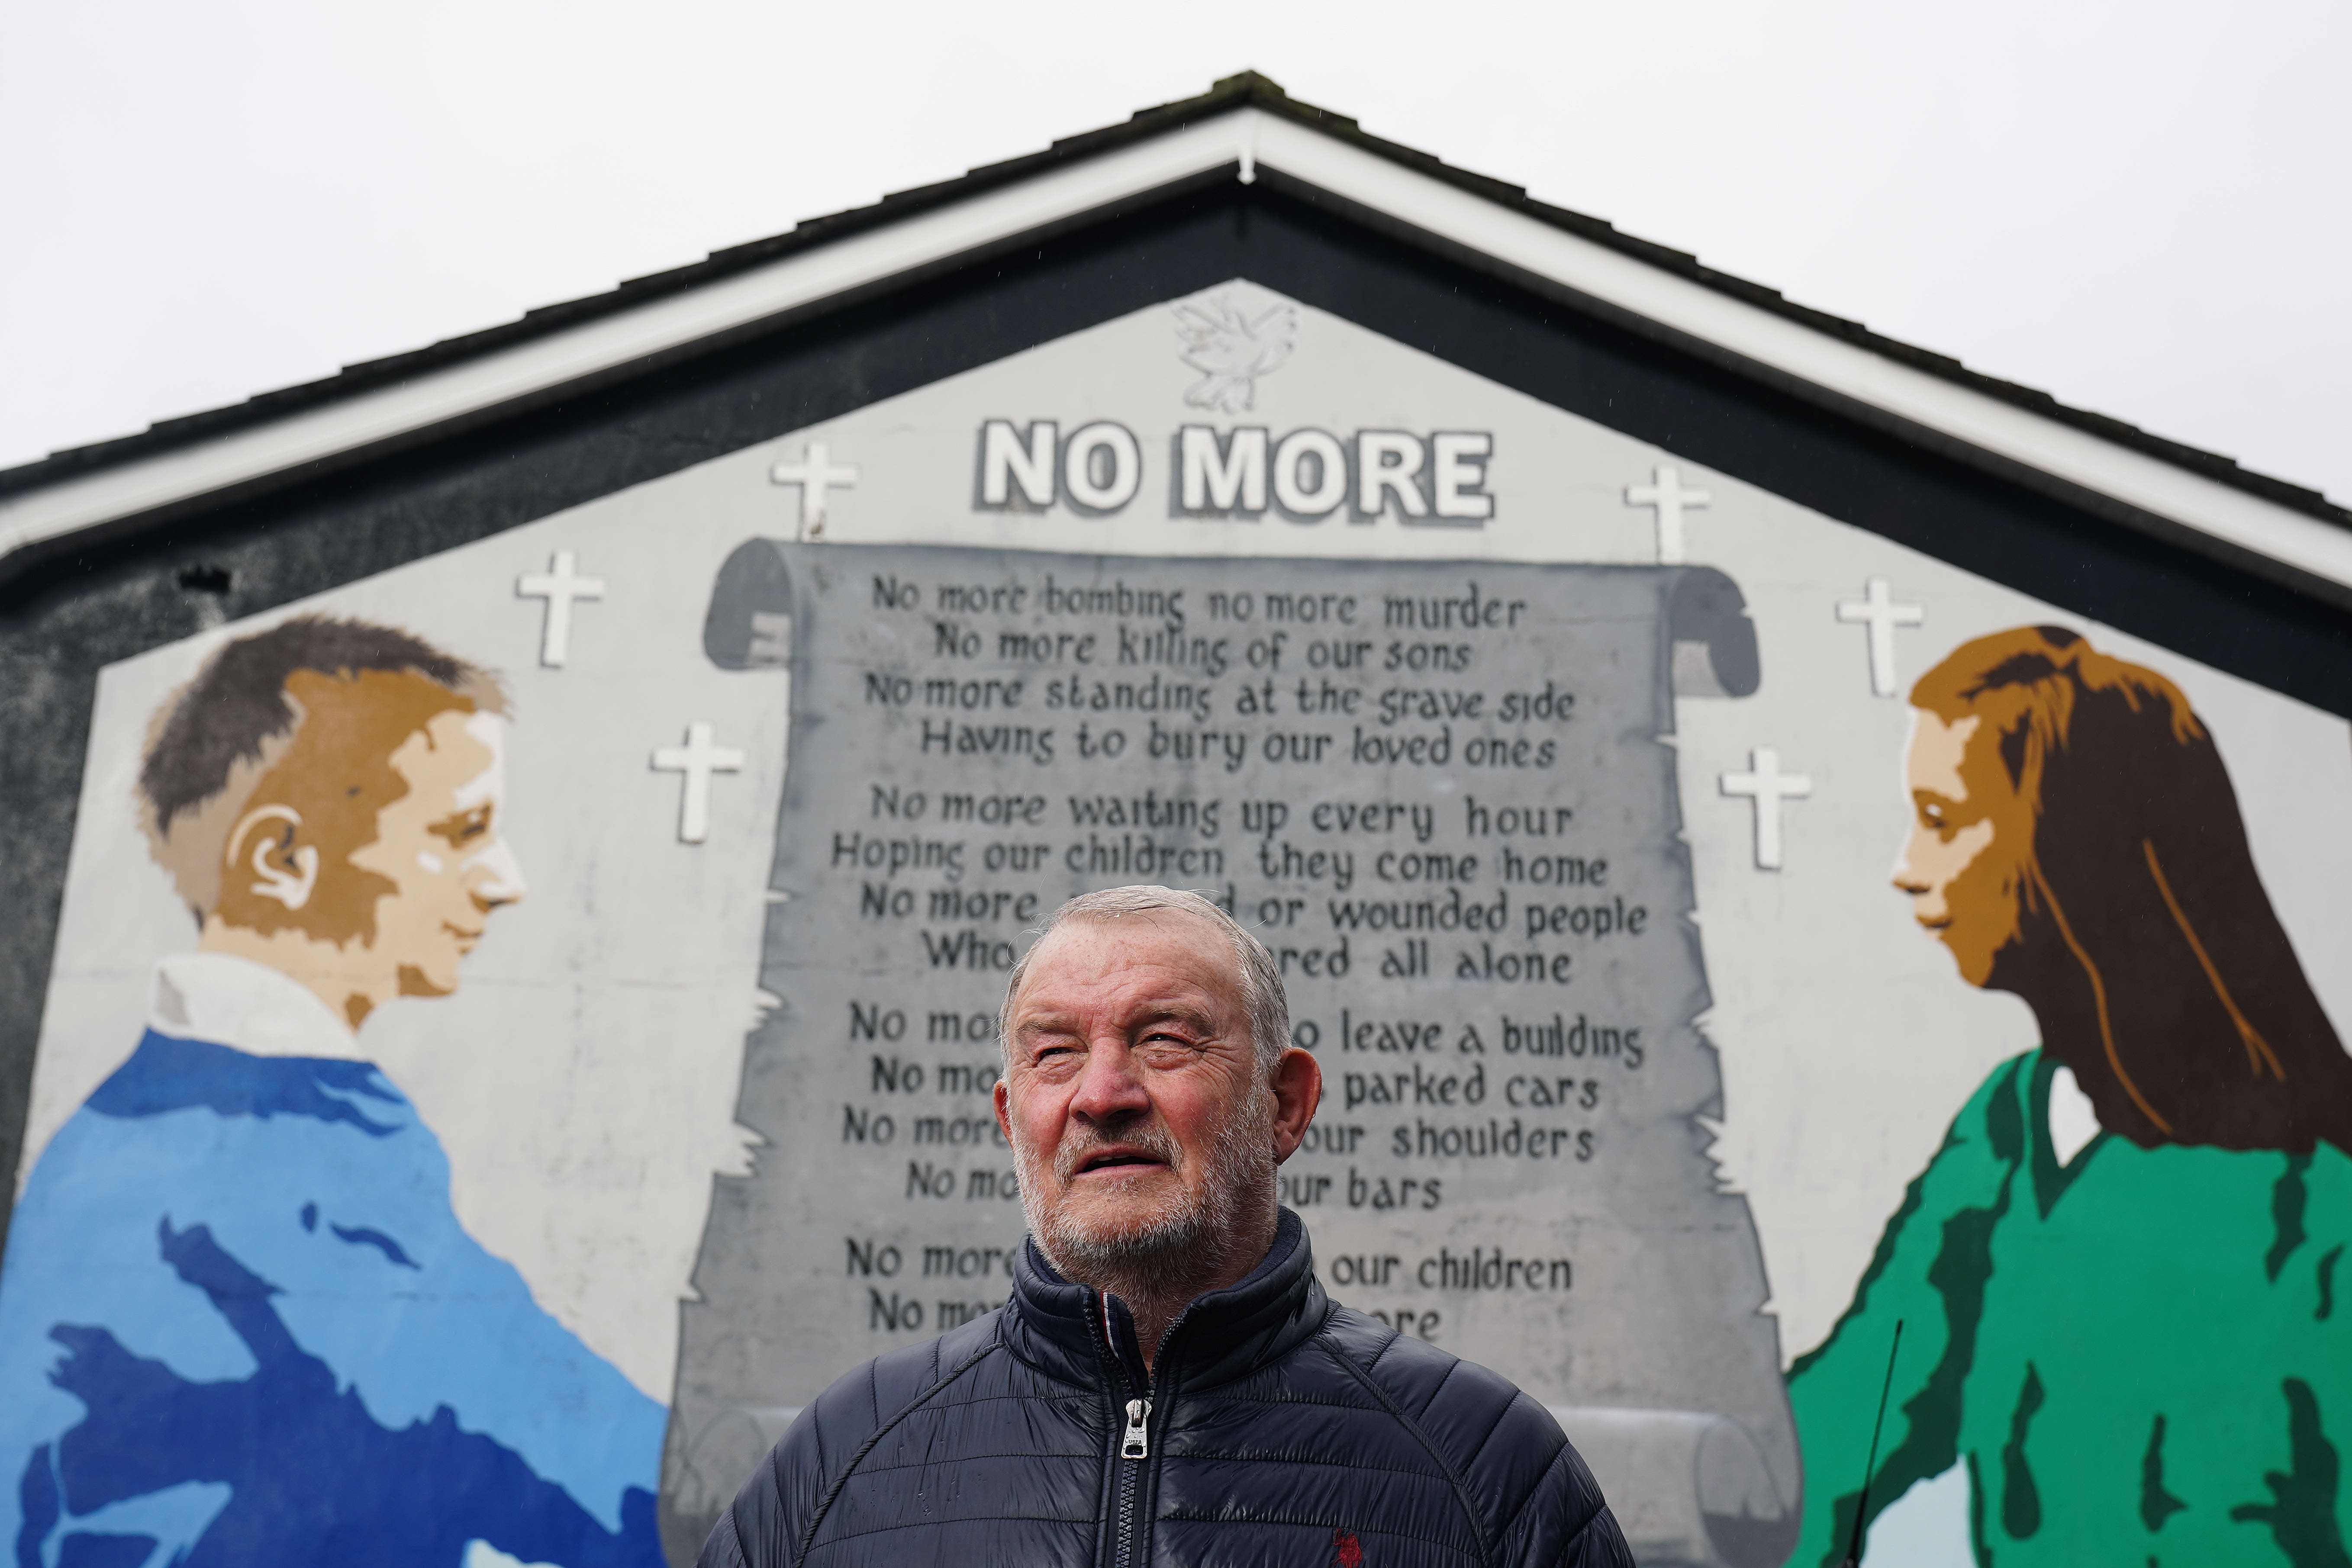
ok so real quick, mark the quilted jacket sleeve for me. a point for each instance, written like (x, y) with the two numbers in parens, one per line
(1534, 1502)
(1564, 1520)
(763, 1527)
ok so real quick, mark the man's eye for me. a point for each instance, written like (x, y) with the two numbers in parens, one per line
(459, 831)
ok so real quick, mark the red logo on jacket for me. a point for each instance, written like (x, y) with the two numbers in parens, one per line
(1347, 1551)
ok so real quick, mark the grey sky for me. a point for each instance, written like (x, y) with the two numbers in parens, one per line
(2144, 209)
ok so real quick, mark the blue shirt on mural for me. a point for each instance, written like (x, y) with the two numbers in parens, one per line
(240, 1325)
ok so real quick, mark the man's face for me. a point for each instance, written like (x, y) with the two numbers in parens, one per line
(1132, 1094)
(439, 847)
(1964, 863)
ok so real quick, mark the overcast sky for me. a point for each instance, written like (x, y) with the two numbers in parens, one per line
(2144, 208)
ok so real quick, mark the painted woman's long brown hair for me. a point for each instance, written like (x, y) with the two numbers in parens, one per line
(2140, 909)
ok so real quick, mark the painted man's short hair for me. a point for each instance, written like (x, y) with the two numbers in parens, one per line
(217, 737)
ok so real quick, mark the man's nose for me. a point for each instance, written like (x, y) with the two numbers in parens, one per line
(496, 876)
(1110, 1087)
(1907, 880)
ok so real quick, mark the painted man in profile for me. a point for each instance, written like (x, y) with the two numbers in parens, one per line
(239, 1322)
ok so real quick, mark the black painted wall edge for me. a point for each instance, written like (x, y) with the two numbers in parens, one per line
(64, 619)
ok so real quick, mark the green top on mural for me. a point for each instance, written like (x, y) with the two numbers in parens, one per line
(2138, 1352)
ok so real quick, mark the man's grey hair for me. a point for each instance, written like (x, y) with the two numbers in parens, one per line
(1259, 974)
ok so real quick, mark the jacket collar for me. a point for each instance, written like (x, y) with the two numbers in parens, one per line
(1070, 1332)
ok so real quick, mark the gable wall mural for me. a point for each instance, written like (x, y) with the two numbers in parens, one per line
(521, 1023)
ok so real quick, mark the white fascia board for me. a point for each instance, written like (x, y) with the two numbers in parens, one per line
(569, 354)
(1250, 138)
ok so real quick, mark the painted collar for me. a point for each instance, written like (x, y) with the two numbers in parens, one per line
(250, 1006)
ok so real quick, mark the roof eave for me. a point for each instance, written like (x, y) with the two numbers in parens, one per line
(1248, 90)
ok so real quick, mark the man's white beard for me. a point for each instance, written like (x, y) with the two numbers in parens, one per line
(1156, 1262)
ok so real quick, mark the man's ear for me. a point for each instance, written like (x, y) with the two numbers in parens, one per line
(269, 842)
(1002, 1098)
(1297, 1089)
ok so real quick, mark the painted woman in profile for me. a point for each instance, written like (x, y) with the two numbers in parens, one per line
(2120, 1278)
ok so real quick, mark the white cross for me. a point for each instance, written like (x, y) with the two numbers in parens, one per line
(814, 473)
(698, 759)
(1883, 616)
(1769, 786)
(559, 587)
(1668, 497)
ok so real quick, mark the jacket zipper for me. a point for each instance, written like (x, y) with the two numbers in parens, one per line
(1134, 1446)
(1134, 1458)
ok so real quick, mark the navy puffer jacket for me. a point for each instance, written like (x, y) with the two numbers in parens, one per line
(1279, 1429)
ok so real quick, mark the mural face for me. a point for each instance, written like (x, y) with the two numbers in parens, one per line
(358, 911)
(1958, 866)
(377, 1207)
(438, 845)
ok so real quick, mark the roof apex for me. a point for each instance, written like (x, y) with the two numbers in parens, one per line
(1245, 90)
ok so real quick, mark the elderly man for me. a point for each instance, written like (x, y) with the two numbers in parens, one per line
(1168, 1383)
